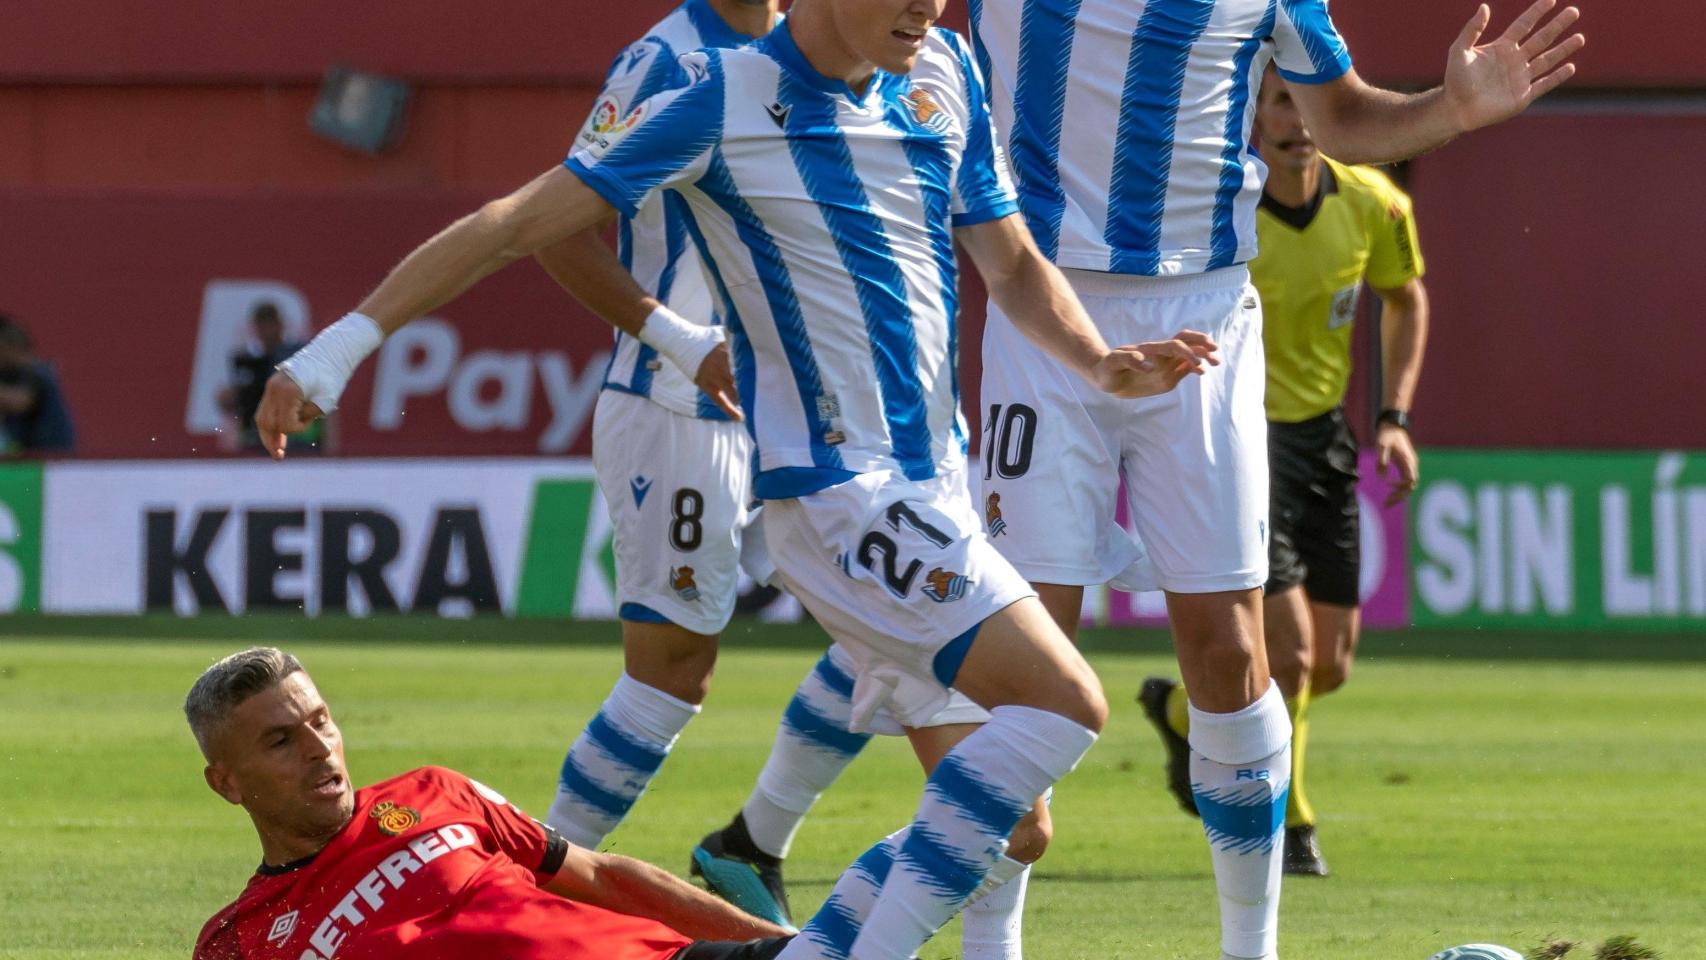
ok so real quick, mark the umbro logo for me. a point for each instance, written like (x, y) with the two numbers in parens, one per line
(283, 927)
(641, 487)
(779, 113)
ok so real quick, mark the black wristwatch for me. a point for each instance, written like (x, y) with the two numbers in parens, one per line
(1398, 418)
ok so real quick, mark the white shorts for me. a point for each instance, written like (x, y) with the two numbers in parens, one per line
(960, 708)
(678, 489)
(1194, 460)
(894, 571)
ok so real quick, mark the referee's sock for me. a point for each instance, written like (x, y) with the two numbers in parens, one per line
(1298, 812)
(1179, 710)
(613, 760)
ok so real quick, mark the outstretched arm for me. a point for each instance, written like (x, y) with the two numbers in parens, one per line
(554, 205)
(1034, 295)
(1484, 84)
(626, 885)
(588, 269)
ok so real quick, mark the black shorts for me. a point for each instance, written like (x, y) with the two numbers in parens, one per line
(726, 950)
(1314, 536)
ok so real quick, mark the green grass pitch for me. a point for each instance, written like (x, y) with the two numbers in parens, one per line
(1479, 787)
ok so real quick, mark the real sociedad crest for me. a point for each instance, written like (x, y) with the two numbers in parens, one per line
(929, 115)
(992, 516)
(945, 586)
(682, 582)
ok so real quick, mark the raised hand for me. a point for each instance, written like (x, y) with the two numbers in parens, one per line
(1149, 369)
(283, 411)
(1488, 83)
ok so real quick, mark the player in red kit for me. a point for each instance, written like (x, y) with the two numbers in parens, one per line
(429, 865)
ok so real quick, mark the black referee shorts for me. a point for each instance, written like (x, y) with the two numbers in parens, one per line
(1314, 536)
(726, 950)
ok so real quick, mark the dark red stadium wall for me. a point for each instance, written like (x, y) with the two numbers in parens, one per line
(1635, 42)
(181, 131)
(256, 137)
(118, 291)
(1563, 260)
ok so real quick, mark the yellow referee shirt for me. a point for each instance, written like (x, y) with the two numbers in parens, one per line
(1310, 273)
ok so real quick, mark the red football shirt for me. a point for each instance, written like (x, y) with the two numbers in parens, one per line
(432, 866)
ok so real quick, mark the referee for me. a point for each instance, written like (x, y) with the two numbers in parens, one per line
(1324, 230)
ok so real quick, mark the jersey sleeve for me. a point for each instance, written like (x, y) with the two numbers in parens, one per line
(218, 939)
(524, 839)
(983, 187)
(663, 140)
(1307, 47)
(1395, 257)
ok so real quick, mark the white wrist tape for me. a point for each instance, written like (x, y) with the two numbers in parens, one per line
(684, 342)
(323, 368)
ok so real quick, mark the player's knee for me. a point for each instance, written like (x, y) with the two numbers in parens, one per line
(1083, 701)
(1290, 673)
(1031, 837)
(1329, 676)
(675, 661)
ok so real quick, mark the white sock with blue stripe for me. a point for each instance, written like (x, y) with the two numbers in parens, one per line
(991, 926)
(830, 933)
(613, 760)
(971, 803)
(1240, 774)
(813, 746)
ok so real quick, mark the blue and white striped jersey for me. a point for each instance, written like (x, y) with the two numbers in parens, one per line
(653, 243)
(1128, 121)
(826, 221)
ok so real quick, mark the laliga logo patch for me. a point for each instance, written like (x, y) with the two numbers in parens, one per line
(945, 586)
(992, 516)
(607, 126)
(927, 113)
(681, 581)
(606, 122)
(394, 818)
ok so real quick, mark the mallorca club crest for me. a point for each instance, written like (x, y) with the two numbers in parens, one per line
(682, 582)
(927, 113)
(394, 818)
(945, 586)
(992, 516)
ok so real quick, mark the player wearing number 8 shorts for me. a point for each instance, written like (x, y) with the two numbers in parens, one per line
(675, 470)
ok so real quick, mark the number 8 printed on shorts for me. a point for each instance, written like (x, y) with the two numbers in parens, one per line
(686, 528)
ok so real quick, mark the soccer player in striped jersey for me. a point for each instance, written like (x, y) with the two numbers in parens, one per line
(827, 187)
(699, 459)
(674, 467)
(1325, 229)
(1128, 124)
